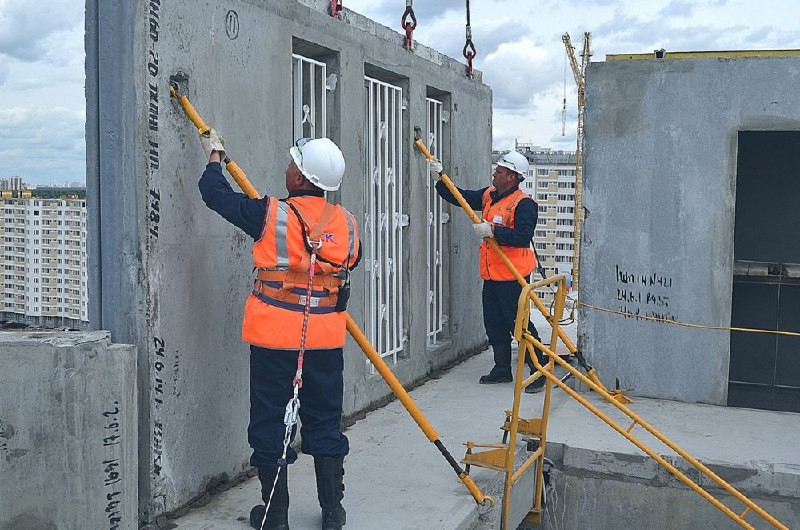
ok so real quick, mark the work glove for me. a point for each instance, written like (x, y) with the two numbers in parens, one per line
(212, 141)
(436, 169)
(483, 229)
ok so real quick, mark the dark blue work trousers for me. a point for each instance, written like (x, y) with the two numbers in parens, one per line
(500, 300)
(271, 375)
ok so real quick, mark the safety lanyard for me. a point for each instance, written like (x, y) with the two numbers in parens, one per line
(293, 406)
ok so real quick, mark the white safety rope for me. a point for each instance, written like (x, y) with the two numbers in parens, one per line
(293, 406)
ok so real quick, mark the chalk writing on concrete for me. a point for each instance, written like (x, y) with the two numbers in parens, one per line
(159, 357)
(232, 24)
(6, 433)
(153, 19)
(112, 471)
(176, 369)
(152, 109)
(643, 294)
(155, 212)
(158, 365)
(153, 98)
(158, 447)
(111, 427)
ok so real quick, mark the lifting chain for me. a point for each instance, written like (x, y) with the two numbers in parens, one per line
(293, 406)
(408, 25)
(469, 48)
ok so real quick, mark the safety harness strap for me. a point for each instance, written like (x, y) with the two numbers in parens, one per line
(295, 278)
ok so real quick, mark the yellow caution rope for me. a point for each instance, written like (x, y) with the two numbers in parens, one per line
(685, 324)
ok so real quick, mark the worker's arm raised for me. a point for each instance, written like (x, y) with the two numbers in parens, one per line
(473, 197)
(237, 208)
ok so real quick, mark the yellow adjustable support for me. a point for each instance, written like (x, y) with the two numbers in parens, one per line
(501, 457)
(561, 334)
(528, 343)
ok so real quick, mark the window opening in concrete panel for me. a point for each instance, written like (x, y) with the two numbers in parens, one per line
(437, 218)
(384, 219)
(764, 369)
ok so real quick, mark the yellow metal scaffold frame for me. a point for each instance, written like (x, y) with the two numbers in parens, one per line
(501, 457)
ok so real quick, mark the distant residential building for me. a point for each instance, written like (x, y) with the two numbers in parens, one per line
(44, 261)
(551, 183)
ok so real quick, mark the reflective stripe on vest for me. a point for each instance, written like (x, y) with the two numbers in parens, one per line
(281, 245)
(491, 265)
(274, 311)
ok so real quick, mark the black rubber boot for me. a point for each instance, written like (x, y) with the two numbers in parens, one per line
(496, 376)
(330, 490)
(278, 517)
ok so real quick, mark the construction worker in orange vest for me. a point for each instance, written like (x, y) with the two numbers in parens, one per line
(285, 232)
(509, 216)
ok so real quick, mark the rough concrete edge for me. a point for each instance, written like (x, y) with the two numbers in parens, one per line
(59, 339)
(760, 480)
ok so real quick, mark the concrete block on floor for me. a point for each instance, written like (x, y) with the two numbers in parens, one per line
(68, 432)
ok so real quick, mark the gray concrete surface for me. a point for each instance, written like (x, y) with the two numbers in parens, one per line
(171, 277)
(395, 479)
(68, 432)
(660, 174)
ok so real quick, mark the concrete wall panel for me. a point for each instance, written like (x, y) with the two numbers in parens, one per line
(660, 174)
(68, 432)
(171, 276)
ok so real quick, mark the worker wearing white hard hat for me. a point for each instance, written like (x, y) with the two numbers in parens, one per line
(279, 321)
(509, 216)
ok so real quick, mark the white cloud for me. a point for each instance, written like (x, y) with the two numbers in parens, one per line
(513, 71)
(43, 144)
(26, 27)
(522, 57)
(519, 51)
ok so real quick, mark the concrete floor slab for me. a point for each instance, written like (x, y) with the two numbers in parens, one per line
(396, 479)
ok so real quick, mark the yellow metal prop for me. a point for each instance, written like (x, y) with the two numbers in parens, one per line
(520, 279)
(528, 343)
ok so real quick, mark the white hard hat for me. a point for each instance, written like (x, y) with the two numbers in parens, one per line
(320, 161)
(514, 161)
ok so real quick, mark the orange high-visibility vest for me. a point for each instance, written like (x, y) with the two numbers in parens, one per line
(273, 314)
(501, 213)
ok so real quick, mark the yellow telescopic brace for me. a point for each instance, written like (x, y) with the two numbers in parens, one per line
(369, 350)
(520, 279)
(232, 167)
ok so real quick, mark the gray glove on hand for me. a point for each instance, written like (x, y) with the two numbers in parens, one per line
(436, 169)
(483, 229)
(212, 141)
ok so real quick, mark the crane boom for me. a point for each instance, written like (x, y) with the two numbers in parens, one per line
(578, 72)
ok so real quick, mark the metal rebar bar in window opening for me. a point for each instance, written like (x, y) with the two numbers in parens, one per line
(435, 215)
(309, 98)
(384, 219)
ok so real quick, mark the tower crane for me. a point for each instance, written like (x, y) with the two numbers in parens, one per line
(578, 71)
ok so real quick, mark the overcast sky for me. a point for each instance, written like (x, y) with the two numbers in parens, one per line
(42, 108)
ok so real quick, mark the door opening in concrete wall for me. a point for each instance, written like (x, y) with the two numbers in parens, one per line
(436, 136)
(384, 218)
(765, 368)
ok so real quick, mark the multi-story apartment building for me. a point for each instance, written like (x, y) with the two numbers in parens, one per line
(44, 261)
(551, 182)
